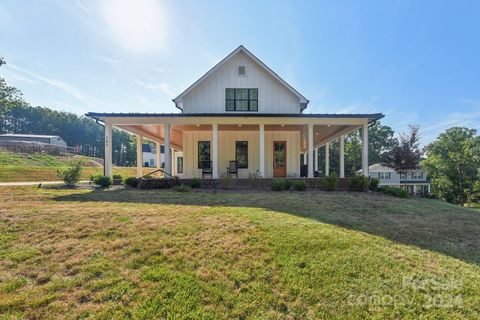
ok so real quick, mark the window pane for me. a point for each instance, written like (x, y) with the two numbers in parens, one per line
(241, 94)
(253, 106)
(241, 154)
(241, 105)
(230, 94)
(179, 164)
(242, 161)
(253, 94)
(203, 153)
(230, 105)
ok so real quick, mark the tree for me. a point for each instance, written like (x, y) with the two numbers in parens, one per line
(380, 140)
(453, 163)
(405, 154)
(17, 116)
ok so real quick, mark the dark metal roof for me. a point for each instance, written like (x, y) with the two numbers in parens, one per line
(371, 116)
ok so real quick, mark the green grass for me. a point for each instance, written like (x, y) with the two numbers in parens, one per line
(222, 255)
(43, 167)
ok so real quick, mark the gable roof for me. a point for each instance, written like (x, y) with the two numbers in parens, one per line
(303, 101)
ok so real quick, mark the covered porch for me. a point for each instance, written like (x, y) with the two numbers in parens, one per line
(264, 145)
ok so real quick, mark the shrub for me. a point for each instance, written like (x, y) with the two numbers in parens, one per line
(195, 183)
(131, 182)
(358, 183)
(396, 192)
(300, 185)
(102, 181)
(278, 185)
(374, 184)
(117, 176)
(288, 184)
(331, 182)
(255, 179)
(182, 188)
(71, 174)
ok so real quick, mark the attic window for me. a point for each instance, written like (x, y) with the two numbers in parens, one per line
(241, 70)
(241, 99)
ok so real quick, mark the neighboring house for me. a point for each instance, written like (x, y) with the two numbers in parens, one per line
(416, 180)
(149, 155)
(241, 114)
(46, 139)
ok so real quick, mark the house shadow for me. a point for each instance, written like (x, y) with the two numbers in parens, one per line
(428, 224)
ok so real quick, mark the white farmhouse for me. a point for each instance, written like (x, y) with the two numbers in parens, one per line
(239, 118)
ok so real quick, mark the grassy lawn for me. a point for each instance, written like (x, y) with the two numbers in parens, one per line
(222, 255)
(43, 167)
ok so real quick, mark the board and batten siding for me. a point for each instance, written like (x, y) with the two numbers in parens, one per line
(209, 95)
(226, 151)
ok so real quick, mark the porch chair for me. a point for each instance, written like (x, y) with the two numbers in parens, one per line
(207, 168)
(232, 168)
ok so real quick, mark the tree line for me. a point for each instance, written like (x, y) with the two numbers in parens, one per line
(18, 116)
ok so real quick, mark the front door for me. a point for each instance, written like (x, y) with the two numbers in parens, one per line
(279, 159)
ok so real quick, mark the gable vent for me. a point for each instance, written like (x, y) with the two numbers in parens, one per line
(241, 70)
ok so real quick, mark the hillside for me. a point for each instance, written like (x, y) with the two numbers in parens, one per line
(133, 254)
(43, 167)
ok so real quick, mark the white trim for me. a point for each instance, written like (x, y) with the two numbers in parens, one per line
(215, 151)
(108, 150)
(139, 155)
(261, 137)
(310, 151)
(168, 153)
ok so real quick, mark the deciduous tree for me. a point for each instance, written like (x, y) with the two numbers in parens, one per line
(453, 162)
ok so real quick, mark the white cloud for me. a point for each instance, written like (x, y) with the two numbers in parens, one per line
(58, 84)
(161, 86)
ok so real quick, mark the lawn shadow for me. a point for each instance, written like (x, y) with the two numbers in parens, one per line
(428, 224)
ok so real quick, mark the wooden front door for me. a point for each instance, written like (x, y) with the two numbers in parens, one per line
(279, 159)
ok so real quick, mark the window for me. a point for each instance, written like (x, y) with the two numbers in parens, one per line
(241, 99)
(384, 175)
(241, 154)
(403, 176)
(152, 162)
(179, 164)
(417, 175)
(203, 153)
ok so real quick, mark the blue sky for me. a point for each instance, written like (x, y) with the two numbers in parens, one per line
(416, 61)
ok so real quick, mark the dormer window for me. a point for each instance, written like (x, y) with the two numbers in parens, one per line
(241, 99)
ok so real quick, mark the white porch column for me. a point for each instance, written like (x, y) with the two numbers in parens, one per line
(107, 166)
(365, 150)
(168, 157)
(342, 156)
(215, 151)
(414, 189)
(139, 156)
(174, 163)
(327, 159)
(428, 185)
(310, 151)
(261, 137)
(305, 158)
(158, 159)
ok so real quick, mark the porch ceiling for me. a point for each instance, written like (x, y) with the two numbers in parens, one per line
(322, 133)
